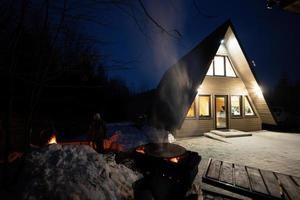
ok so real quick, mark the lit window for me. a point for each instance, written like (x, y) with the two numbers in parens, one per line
(235, 106)
(211, 70)
(229, 69)
(191, 112)
(204, 106)
(248, 109)
(219, 65)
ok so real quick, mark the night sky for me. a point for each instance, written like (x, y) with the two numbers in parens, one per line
(269, 37)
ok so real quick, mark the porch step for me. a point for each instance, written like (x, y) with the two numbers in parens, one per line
(215, 137)
(230, 133)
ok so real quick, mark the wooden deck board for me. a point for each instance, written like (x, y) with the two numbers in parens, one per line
(252, 182)
(240, 176)
(289, 186)
(256, 181)
(271, 183)
(214, 169)
(226, 172)
(297, 180)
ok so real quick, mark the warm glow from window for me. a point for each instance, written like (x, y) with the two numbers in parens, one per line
(219, 65)
(229, 69)
(204, 106)
(235, 105)
(210, 70)
(191, 112)
(248, 109)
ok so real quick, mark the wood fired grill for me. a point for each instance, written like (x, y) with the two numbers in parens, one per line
(169, 170)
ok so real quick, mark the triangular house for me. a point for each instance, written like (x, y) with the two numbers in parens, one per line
(211, 87)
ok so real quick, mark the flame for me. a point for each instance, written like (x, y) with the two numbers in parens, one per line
(140, 150)
(174, 160)
(113, 143)
(52, 139)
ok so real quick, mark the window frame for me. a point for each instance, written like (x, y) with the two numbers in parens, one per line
(209, 106)
(233, 69)
(224, 66)
(250, 103)
(241, 107)
(195, 113)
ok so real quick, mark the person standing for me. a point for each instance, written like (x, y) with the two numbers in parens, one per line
(98, 132)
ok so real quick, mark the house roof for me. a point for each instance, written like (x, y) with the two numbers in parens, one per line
(178, 86)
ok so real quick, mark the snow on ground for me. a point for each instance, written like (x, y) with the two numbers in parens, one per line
(75, 172)
(78, 172)
(132, 136)
(275, 151)
(268, 150)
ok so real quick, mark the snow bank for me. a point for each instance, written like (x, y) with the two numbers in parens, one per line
(75, 172)
(131, 136)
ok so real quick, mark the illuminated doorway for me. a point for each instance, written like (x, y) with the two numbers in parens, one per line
(221, 112)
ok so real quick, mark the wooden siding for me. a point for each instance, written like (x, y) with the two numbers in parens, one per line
(246, 124)
(194, 127)
(242, 66)
(213, 85)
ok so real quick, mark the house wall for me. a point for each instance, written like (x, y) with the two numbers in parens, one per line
(212, 86)
(242, 66)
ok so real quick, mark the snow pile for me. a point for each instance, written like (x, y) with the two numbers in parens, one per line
(75, 172)
(156, 135)
(131, 136)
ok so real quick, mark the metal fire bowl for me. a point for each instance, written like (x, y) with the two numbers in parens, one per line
(164, 150)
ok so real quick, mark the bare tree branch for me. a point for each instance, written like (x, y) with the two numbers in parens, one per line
(201, 11)
(157, 24)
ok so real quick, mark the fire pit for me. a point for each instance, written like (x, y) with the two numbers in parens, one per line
(169, 170)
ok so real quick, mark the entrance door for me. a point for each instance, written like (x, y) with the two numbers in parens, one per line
(221, 112)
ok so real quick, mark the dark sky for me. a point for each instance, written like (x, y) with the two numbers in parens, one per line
(269, 37)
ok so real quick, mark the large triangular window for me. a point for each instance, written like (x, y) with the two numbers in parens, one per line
(221, 66)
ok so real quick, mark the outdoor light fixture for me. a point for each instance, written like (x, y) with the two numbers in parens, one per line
(222, 41)
(199, 88)
(258, 91)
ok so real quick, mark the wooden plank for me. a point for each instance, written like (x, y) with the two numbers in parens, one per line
(296, 179)
(240, 176)
(271, 183)
(289, 186)
(256, 180)
(214, 169)
(226, 173)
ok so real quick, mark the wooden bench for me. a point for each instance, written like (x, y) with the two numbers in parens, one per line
(252, 182)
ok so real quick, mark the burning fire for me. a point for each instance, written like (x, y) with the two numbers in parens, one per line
(140, 150)
(113, 143)
(174, 160)
(52, 139)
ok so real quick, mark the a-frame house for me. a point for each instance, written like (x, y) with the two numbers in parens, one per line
(211, 87)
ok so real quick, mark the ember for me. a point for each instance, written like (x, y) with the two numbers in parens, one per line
(52, 139)
(113, 143)
(140, 150)
(174, 160)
